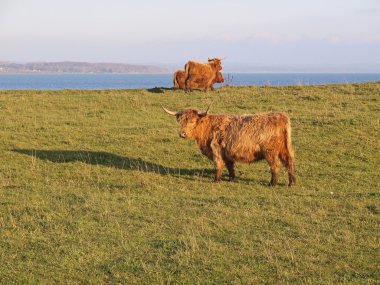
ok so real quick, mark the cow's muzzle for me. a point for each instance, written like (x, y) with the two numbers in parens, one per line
(182, 135)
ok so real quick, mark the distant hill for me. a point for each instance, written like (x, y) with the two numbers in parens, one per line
(78, 67)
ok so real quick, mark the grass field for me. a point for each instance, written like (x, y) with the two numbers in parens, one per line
(97, 187)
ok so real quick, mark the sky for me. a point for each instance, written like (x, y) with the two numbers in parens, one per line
(250, 34)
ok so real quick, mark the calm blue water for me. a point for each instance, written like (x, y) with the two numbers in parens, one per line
(132, 81)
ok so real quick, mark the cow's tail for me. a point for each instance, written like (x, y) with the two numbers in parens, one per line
(187, 67)
(175, 81)
(288, 158)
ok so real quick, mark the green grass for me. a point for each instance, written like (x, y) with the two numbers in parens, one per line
(97, 187)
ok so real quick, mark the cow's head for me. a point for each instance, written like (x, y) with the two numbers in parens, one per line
(215, 60)
(188, 119)
(219, 77)
(216, 63)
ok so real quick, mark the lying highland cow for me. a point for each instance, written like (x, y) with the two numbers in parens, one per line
(179, 80)
(249, 138)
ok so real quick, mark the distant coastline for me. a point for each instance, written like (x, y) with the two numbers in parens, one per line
(69, 67)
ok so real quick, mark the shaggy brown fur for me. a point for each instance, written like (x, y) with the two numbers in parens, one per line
(198, 73)
(179, 80)
(249, 138)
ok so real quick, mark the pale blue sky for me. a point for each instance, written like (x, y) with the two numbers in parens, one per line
(255, 32)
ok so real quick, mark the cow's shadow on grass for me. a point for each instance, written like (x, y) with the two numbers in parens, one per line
(116, 161)
(159, 89)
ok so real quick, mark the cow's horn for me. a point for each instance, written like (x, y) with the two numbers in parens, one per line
(205, 113)
(169, 112)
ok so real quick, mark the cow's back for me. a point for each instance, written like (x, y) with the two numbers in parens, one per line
(248, 137)
(198, 69)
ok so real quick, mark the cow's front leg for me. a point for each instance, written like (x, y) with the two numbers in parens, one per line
(210, 85)
(274, 164)
(218, 169)
(217, 158)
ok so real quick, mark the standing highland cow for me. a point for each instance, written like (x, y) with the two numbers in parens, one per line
(201, 75)
(249, 138)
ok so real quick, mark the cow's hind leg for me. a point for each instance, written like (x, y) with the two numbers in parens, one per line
(231, 170)
(188, 85)
(288, 160)
(274, 164)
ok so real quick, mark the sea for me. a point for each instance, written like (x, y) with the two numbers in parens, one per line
(147, 81)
